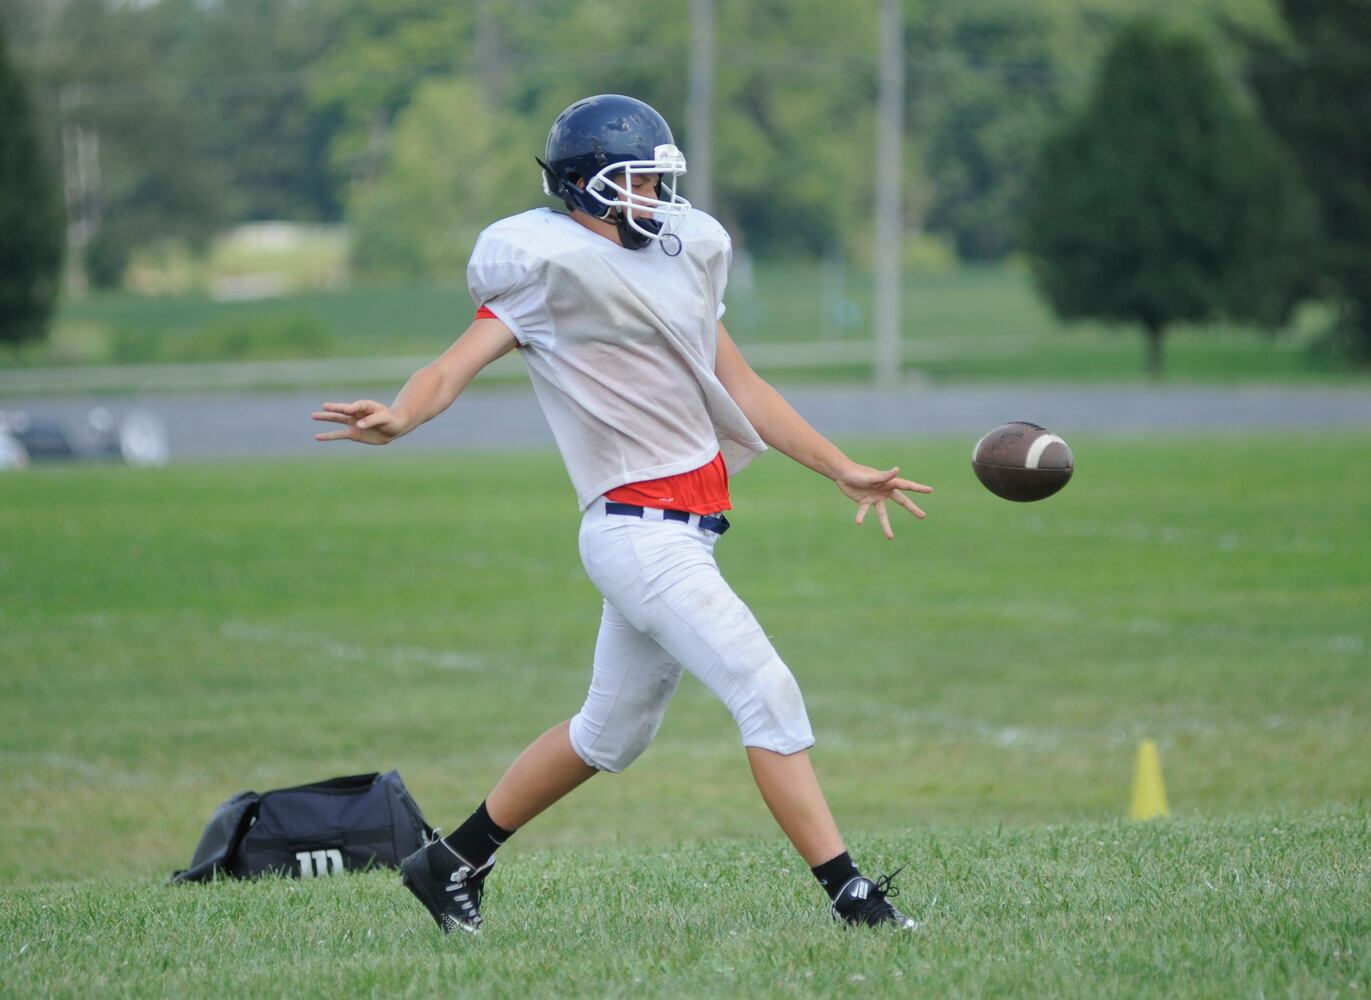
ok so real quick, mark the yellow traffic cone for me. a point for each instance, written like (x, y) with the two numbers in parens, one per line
(1149, 793)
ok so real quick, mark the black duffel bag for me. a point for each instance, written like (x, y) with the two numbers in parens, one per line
(343, 824)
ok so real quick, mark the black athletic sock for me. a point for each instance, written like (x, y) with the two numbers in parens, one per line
(835, 874)
(477, 838)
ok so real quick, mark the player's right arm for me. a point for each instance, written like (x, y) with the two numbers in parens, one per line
(429, 391)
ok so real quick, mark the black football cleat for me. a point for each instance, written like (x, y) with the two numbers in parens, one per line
(447, 885)
(864, 903)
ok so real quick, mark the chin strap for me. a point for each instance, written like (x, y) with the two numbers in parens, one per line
(630, 237)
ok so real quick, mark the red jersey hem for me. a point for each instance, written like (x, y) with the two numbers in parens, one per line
(699, 491)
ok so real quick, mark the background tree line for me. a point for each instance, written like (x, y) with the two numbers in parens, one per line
(416, 122)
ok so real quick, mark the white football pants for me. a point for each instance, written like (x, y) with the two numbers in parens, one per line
(667, 607)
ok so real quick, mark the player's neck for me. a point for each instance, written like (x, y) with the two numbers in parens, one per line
(601, 227)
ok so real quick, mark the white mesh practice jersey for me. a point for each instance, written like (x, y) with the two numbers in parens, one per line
(619, 345)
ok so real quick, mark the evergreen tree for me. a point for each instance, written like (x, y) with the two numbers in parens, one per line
(31, 218)
(1165, 201)
(1316, 93)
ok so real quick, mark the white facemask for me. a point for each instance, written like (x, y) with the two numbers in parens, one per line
(669, 212)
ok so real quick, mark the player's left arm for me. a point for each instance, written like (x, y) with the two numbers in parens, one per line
(790, 434)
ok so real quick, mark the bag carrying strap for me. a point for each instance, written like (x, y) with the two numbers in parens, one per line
(349, 785)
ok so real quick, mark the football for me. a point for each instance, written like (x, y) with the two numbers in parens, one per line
(1022, 462)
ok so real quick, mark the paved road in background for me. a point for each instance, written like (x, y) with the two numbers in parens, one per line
(213, 425)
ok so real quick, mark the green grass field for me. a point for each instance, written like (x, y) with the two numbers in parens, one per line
(973, 323)
(978, 688)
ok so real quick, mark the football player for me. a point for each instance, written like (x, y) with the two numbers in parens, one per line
(616, 307)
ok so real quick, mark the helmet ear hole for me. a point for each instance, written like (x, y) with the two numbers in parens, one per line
(573, 182)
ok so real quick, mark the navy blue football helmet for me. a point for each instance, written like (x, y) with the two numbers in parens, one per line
(604, 141)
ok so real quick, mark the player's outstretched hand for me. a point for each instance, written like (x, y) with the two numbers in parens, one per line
(868, 487)
(368, 422)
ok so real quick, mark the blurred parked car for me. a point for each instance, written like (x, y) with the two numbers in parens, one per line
(136, 438)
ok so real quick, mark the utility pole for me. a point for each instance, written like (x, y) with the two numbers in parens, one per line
(700, 116)
(81, 185)
(490, 55)
(889, 185)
